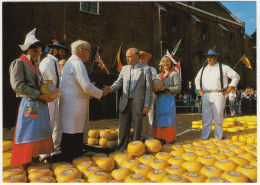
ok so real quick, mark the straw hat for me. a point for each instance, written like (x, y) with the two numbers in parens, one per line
(144, 53)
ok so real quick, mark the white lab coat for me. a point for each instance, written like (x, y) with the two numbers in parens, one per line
(75, 91)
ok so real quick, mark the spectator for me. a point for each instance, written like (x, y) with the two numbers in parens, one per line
(231, 98)
(186, 97)
(191, 95)
(238, 101)
(246, 101)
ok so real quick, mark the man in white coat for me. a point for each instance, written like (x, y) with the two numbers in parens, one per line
(212, 85)
(50, 70)
(75, 91)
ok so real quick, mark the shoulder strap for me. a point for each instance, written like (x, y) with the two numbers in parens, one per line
(221, 76)
(57, 74)
(201, 77)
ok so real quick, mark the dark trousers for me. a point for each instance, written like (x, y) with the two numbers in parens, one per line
(71, 146)
(125, 118)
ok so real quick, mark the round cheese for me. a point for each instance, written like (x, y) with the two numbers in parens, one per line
(232, 129)
(37, 166)
(68, 175)
(213, 150)
(44, 179)
(120, 158)
(85, 165)
(192, 166)
(189, 156)
(59, 169)
(249, 171)
(174, 178)
(254, 162)
(79, 160)
(229, 153)
(252, 123)
(211, 171)
(111, 144)
(142, 169)
(92, 141)
(239, 160)
(206, 160)
(102, 142)
(153, 145)
(135, 178)
(176, 161)
(104, 133)
(239, 150)
(163, 156)
(87, 171)
(136, 148)
(146, 159)
(226, 165)
(39, 173)
(156, 175)
(106, 164)
(216, 180)
(130, 163)
(97, 156)
(55, 165)
(13, 172)
(219, 156)
(247, 156)
(202, 152)
(194, 177)
(177, 152)
(120, 174)
(234, 177)
(98, 177)
(93, 133)
(78, 181)
(178, 170)
(15, 178)
(158, 164)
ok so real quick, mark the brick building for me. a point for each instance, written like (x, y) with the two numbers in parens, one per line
(149, 26)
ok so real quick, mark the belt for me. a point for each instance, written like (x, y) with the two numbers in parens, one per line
(212, 91)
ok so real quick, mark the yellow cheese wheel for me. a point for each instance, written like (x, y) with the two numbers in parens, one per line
(39, 173)
(247, 156)
(202, 152)
(87, 171)
(153, 145)
(197, 143)
(176, 161)
(211, 171)
(192, 166)
(49, 89)
(231, 146)
(98, 177)
(253, 162)
(97, 156)
(146, 159)
(196, 123)
(13, 172)
(229, 153)
(251, 127)
(239, 160)
(226, 125)
(241, 128)
(44, 179)
(78, 181)
(225, 129)
(55, 165)
(216, 180)
(111, 144)
(252, 123)
(111, 136)
(219, 156)
(163, 156)
(206, 160)
(240, 143)
(177, 152)
(59, 169)
(189, 156)
(15, 178)
(104, 133)
(130, 163)
(158, 164)
(92, 141)
(188, 145)
(68, 175)
(190, 150)
(142, 169)
(102, 142)
(7, 145)
(222, 148)
(200, 147)
(178, 170)
(156, 175)
(174, 178)
(226, 165)
(120, 174)
(235, 138)
(93, 133)
(176, 147)
(232, 129)
(6, 164)
(220, 143)
(210, 145)
(234, 177)
(231, 119)
(250, 140)
(112, 155)
(166, 148)
(85, 165)
(106, 164)
(248, 147)
(195, 177)
(7, 155)
(136, 148)
(120, 158)
(111, 181)
(195, 126)
(135, 178)
(253, 151)
(79, 160)
(239, 150)
(213, 150)
(37, 166)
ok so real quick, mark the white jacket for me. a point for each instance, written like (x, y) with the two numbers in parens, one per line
(75, 91)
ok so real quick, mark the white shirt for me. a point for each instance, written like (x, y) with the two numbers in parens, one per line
(47, 68)
(211, 77)
(232, 96)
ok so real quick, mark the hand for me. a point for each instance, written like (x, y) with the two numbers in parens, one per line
(200, 92)
(146, 110)
(155, 88)
(162, 88)
(106, 90)
(46, 98)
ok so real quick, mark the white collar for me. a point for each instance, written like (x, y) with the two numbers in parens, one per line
(56, 59)
(28, 57)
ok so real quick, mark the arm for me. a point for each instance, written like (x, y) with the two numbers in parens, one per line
(148, 91)
(234, 79)
(47, 69)
(197, 83)
(176, 88)
(118, 83)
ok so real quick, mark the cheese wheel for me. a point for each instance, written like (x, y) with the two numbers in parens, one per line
(213, 150)
(37, 166)
(197, 143)
(247, 156)
(85, 165)
(234, 177)
(188, 145)
(239, 150)
(251, 127)
(248, 147)
(93, 133)
(174, 178)
(206, 160)
(225, 129)
(7, 145)
(112, 155)
(239, 160)
(104, 133)
(202, 152)
(50, 89)
(111, 144)
(120, 158)
(176, 147)
(163, 156)
(59, 169)
(87, 171)
(106, 164)
(92, 141)
(177, 152)
(226, 125)
(192, 166)
(220, 143)
(146, 159)
(78, 181)
(135, 178)
(232, 129)
(219, 156)
(253, 151)
(98, 177)
(102, 142)
(190, 150)
(227, 141)
(79, 160)
(39, 173)
(200, 147)
(216, 180)
(142, 169)
(15, 178)
(189, 156)
(156, 175)
(252, 123)
(250, 140)
(195, 126)
(176, 161)
(130, 163)
(111, 136)
(7, 155)
(120, 174)
(231, 146)
(195, 177)
(68, 175)
(13, 172)
(229, 153)
(231, 119)
(178, 170)
(136, 148)
(254, 162)
(211, 171)
(97, 156)
(153, 145)
(55, 165)
(6, 165)
(44, 179)
(240, 143)
(111, 181)
(158, 164)
(196, 123)
(226, 165)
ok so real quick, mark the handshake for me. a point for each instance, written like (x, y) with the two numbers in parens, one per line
(106, 90)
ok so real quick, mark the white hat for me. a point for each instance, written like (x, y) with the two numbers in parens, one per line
(170, 57)
(29, 40)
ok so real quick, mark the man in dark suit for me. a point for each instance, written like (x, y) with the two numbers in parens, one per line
(191, 95)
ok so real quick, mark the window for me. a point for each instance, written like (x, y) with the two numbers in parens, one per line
(205, 33)
(174, 24)
(90, 7)
(232, 40)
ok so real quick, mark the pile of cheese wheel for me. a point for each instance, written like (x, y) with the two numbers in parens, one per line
(195, 161)
(234, 124)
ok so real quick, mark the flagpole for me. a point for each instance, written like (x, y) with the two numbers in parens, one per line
(93, 62)
(239, 61)
(116, 55)
(207, 59)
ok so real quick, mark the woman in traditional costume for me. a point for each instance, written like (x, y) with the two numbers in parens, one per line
(33, 130)
(168, 84)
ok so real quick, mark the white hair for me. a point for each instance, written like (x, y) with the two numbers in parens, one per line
(79, 44)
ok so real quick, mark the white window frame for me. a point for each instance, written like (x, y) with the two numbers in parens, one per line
(88, 11)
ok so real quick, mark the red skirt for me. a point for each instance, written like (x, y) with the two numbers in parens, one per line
(166, 133)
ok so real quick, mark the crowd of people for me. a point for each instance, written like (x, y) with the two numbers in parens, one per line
(47, 125)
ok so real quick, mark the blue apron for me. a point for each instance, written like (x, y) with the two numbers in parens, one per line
(165, 111)
(33, 122)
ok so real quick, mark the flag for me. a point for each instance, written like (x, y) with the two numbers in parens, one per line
(100, 61)
(246, 62)
(176, 48)
(178, 67)
(119, 59)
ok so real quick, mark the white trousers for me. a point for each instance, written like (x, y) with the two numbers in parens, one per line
(149, 119)
(213, 105)
(55, 125)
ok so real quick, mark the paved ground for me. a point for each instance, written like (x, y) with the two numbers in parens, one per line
(183, 121)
